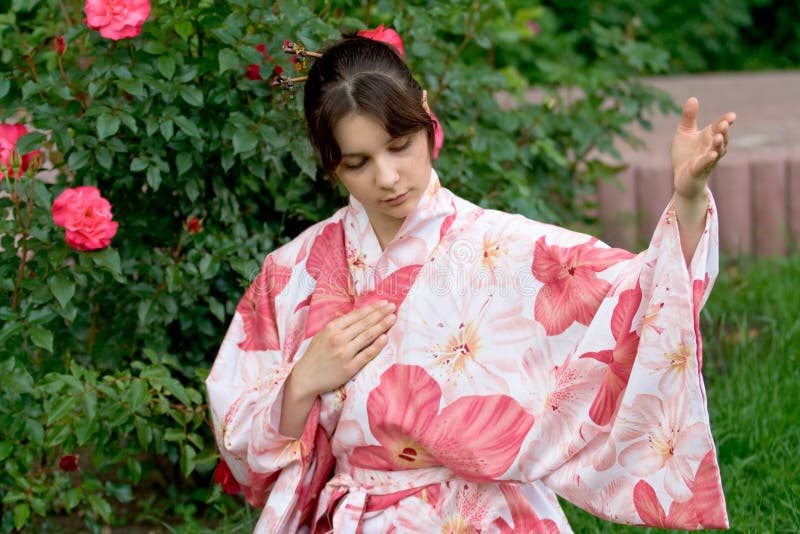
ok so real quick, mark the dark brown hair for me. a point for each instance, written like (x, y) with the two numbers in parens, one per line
(360, 75)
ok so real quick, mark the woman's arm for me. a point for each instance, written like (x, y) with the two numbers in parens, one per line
(694, 154)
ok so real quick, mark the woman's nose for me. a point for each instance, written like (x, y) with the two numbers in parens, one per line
(386, 174)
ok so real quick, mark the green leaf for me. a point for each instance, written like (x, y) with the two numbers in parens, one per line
(184, 29)
(104, 157)
(244, 141)
(183, 162)
(61, 408)
(153, 177)
(166, 66)
(167, 129)
(107, 125)
(228, 60)
(5, 449)
(100, 506)
(128, 120)
(108, 258)
(5, 85)
(133, 87)
(192, 95)
(29, 142)
(78, 160)
(72, 497)
(187, 127)
(42, 337)
(21, 514)
(139, 164)
(174, 434)
(38, 506)
(62, 288)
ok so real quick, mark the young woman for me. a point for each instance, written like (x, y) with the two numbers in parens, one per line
(416, 363)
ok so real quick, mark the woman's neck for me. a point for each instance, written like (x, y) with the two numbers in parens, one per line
(385, 229)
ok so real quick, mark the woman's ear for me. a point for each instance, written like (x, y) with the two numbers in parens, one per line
(425, 105)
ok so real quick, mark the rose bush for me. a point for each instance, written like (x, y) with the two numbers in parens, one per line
(160, 118)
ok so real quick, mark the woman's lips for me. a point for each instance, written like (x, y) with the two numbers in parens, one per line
(399, 199)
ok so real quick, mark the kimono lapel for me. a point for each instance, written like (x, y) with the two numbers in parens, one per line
(389, 274)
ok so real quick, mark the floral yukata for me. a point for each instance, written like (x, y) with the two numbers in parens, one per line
(526, 361)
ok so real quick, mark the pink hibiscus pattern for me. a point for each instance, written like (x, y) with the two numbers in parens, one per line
(619, 359)
(572, 291)
(478, 437)
(258, 315)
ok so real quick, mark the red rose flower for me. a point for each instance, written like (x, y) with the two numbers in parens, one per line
(224, 478)
(385, 35)
(194, 226)
(9, 135)
(86, 216)
(117, 19)
(68, 463)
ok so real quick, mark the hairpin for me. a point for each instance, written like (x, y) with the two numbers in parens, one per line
(297, 50)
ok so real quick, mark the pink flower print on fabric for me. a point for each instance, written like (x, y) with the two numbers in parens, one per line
(674, 361)
(478, 437)
(572, 291)
(681, 514)
(619, 360)
(327, 264)
(523, 516)
(664, 440)
(258, 317)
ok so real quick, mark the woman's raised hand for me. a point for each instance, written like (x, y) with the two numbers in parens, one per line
(695, 152)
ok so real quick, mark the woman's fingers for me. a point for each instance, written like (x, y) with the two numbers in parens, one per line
(369, 352)
(355, 317)
(372, 331)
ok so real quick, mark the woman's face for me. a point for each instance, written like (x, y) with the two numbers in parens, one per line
(387, 175)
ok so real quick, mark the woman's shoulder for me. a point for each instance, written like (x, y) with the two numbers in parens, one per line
(293, 252)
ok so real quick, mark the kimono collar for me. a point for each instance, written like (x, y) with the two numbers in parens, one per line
(414, 243)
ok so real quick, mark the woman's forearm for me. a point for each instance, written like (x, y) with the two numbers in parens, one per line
(691, 215)
(295, 409)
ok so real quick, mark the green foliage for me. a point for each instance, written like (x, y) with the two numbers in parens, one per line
(104, 352)
(718, 35)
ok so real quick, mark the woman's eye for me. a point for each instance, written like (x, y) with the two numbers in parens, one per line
(354, 166)
(401, 146)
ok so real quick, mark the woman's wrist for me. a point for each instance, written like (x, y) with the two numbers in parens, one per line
(296, 392)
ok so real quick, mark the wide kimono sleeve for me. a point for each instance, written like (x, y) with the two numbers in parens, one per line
(245, 391)
(623, 428)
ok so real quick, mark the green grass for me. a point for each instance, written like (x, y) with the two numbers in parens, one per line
(751, 330)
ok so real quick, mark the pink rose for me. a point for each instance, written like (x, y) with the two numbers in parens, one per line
(385, 35)
(117, 19)
(9, 135)
(86, 216)
(224, 478)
